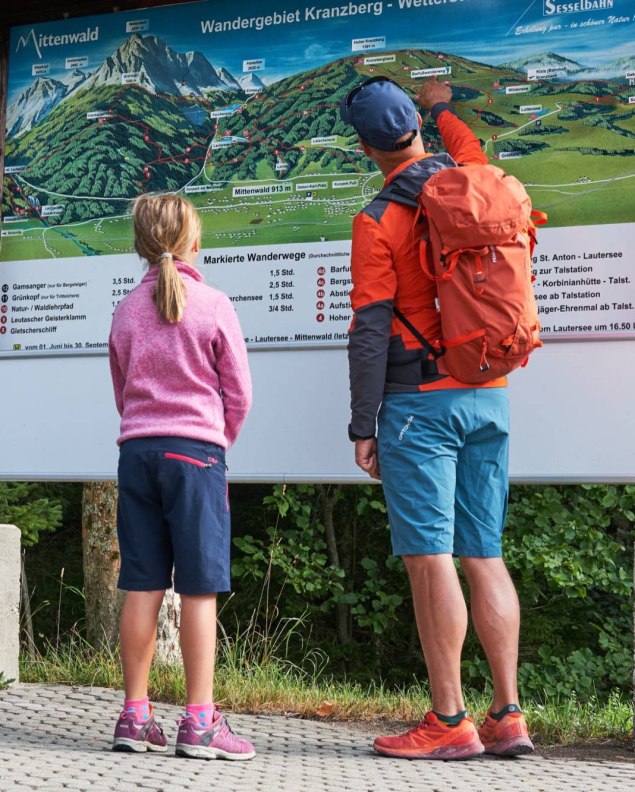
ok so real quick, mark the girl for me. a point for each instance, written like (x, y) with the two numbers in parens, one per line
(183, 390)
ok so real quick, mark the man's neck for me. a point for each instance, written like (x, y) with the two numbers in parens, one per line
(388, 161)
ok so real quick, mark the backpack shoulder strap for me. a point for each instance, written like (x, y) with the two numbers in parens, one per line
(407, 185)
(406, 189)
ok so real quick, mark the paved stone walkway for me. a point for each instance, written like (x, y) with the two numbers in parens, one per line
(55, 738)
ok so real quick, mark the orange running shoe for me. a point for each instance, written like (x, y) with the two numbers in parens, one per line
(433, 739)
(508, 736)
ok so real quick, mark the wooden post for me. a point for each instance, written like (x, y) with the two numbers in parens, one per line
(101, 562)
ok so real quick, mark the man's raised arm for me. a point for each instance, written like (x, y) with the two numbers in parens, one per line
(458, 139)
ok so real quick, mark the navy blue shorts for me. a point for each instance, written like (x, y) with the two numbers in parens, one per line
(173, 514)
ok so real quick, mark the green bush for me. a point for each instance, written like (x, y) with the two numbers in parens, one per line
(325, 551)
(34, 508)
(48, 515)
(570, 551)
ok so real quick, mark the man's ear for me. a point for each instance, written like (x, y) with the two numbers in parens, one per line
(420, 120)
(366, 148)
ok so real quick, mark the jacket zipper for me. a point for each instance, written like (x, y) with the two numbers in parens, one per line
(210, 460)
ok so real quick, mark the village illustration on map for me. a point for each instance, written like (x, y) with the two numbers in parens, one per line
(271, 162)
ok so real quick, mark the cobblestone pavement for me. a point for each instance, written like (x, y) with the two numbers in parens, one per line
(55, 738)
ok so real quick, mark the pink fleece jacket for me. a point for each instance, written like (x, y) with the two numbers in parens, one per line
(188, 379)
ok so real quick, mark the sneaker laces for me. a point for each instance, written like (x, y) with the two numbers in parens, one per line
(427, 721)
(226, 723)
(424, 724)
(129, 715)
(226, 731)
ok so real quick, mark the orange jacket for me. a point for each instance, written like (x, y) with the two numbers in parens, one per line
(384, 356)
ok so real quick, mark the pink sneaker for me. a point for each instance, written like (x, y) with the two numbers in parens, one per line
(138, 737)
(216, 742)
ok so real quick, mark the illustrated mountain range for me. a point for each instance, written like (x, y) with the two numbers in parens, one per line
(152, 64)
(573, 70)
(37, 101)
(147, 60)
(251, 82)
(160, 129)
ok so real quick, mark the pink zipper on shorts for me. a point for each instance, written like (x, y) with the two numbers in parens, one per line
(210, 460)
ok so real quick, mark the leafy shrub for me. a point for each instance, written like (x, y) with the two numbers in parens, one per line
(33, 508)
(569, 551)
(325, 551)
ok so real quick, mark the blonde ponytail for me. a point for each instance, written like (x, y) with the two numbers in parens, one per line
(166, 228)
(170, 292)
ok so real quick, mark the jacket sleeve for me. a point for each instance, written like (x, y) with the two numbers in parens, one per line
(118, 379)
(233, 369)
(459, 140)
(374, 285)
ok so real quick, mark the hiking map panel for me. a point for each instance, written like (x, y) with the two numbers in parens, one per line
(237, 108)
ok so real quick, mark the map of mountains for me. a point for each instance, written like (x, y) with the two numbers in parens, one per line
(146, 61)
(544, 59)
(37, 101)
(616, 69)
(161, 69)
(151, 118)
(251, 82)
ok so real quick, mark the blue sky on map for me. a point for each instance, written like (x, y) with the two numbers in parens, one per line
(482, 30)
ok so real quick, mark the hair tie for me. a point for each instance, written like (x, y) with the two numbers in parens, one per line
(166, 256)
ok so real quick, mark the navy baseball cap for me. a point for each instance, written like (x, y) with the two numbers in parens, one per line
(381, 113)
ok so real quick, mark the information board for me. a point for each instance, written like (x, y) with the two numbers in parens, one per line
(571, 417)
(237, 108)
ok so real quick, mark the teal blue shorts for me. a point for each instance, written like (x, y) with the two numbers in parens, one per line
(443, 457)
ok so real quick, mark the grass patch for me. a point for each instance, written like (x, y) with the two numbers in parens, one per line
(253, 675)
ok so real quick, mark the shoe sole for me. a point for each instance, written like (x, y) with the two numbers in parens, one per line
(125, 745)
(513, 746)
(443, 753)
(200, 752)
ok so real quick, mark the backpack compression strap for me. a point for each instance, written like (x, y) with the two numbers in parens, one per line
(431, 350)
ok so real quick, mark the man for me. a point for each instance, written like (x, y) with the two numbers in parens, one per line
(442, 445)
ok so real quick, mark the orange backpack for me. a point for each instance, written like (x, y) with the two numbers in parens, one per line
(481, 237)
